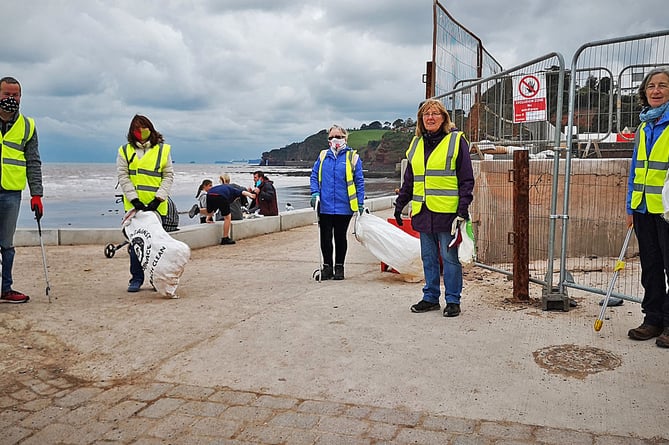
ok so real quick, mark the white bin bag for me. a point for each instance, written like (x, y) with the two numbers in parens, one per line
(162, 257)
(390, 245)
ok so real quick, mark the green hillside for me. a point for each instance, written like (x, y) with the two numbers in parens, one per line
(380, 149)
(360, 138)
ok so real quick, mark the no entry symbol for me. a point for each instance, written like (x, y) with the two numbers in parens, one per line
(528, 86)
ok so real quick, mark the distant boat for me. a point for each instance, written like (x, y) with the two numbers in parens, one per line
(254, 161)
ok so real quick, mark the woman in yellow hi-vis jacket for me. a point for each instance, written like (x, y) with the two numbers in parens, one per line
(439, 183)
(145, 174)
(648, 170)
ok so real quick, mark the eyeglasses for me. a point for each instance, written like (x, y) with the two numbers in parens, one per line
(335, 137)
(432, 114)
(659, 86)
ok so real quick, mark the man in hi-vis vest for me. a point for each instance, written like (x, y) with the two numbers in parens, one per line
(20, 164)
(145, 174)
(439, 182)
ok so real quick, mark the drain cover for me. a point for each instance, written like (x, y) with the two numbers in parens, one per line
(575, 361)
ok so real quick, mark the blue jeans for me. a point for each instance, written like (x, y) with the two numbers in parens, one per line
(431, 245)
(10, 202)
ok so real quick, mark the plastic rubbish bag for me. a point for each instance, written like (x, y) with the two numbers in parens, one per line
(665, 198)
(466, 246)
(390, 245)
(162, 257)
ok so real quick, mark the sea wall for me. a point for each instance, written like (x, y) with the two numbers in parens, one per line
(196, 236)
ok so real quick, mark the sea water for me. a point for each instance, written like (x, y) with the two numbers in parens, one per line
(84, 195)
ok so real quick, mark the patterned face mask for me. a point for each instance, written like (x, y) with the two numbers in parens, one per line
(9, 104)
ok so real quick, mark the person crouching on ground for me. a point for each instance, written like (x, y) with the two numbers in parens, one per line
(648, 172)
(219, 198)
(201, 207)
(145, 174)
(266, 201)
(337, 181)
(439, 183)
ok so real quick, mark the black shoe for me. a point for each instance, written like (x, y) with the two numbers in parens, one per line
(194, 211)
(425, 306)
(452, 310)
(326, 272)
(338, 272)
(227, 240)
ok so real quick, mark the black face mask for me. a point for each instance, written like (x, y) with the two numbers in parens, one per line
(9, 104)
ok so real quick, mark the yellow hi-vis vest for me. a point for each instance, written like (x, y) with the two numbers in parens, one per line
(649, 174)
(435, 184)
(146, 174)
(350, 185)
(13, 156)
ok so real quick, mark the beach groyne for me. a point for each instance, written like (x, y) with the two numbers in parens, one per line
(196, 236)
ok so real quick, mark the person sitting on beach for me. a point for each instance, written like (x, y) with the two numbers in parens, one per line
(266, 201)
(219, 198)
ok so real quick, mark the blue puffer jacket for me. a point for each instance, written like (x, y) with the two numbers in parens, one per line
(334, 197)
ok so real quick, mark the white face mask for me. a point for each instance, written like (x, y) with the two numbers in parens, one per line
(337, 143)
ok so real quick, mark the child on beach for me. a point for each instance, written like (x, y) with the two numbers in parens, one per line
(201, 207)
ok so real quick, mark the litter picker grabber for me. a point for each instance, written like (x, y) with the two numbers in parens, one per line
(620, 265)
(318, 272)
(38, 216)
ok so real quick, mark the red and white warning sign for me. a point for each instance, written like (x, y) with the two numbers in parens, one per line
(529, 98)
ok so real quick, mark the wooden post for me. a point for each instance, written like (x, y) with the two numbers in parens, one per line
(521, 225)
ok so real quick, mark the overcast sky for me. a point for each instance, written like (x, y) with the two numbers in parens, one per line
(229, 79)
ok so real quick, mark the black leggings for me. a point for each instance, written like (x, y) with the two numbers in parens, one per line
(336, 225)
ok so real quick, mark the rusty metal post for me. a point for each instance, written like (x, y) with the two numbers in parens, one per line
(521, 225)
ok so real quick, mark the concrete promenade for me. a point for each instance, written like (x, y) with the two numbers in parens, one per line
(257, 352)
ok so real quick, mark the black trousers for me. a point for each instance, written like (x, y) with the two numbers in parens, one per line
(652, 232)
(334, 226)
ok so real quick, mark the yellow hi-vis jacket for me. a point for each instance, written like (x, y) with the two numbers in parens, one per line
(435, 184)
(351, 160)
(13, 158)
(649, 174)
(146, 174)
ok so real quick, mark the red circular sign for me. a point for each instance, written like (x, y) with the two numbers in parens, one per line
(528, 86)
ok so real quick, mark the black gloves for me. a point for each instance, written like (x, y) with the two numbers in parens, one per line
(137, 204)
(153, 205)
(398, 217)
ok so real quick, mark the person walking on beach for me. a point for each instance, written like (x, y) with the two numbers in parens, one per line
(145, 174)
(648, 172)
(439, 183)
(265, 192)
(338, 183)
(219, 198)
(19, 164)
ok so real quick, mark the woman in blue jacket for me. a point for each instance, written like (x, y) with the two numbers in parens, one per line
(338, 185)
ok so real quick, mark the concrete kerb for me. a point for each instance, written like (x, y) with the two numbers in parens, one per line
(196, 236)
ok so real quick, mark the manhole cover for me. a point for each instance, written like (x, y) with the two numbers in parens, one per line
(575, 361)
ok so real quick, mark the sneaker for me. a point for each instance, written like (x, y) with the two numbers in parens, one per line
(338, 272)
(326, 272)
(452, 310)
(425, 306)
(644, 332)
(12, 296)
(227, 240)
(663, 340)
(134, 286)
(194, 211)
